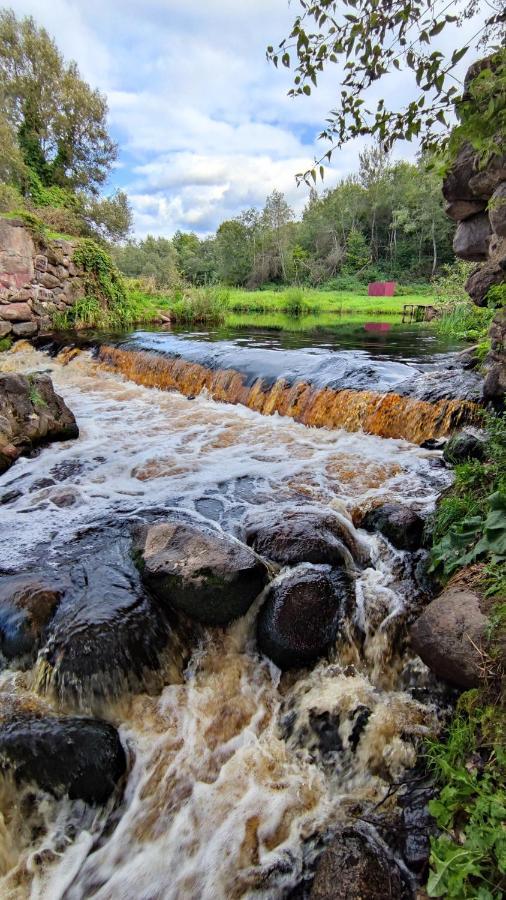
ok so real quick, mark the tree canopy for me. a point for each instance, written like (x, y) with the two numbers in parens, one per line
(370, 39)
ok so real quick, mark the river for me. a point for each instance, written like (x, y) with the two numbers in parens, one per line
(223, 798)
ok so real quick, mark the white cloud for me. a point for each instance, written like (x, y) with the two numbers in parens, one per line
(204, 123)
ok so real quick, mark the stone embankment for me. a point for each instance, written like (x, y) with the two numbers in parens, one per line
(37, 278)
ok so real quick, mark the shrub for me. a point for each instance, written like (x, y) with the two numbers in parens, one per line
(294, 302)
(204, 304)
(10, 198)
(449, 286)
(496, 296)
(60, 220)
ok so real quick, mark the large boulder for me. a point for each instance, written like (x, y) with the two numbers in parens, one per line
(401, 525)
(301, 536)
(31, 413)
(456, 181)
(356, 867)
(464, 446)
(494, 385)
(81, 758)
(26, 606)
(301, 616)
(107, 635)
(199, 569)
(472, 238)
(449, 635)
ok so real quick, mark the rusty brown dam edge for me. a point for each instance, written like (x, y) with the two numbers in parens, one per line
(384, 414)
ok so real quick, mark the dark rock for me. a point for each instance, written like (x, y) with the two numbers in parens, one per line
(497, 210)
(434, 444)
(402, 526)
(417, 824)
(24, 329)
(463, 446)
(200, 570)
(326, 727)
(107, 636)
(31, 413)
(494, 385)
(472, 238)
(301, 616)
(355, 866)
(301, 536)
(485, 182)
(449, 634)
(483, 278)
(26, 606)
(79, 757)
(458, 210)
(456, 181)
(10, 496)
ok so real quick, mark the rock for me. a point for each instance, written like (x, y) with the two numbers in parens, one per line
(448, 636)
(16, 312)
(79, 757)
(472, 238)
(484, 182)
(402, 526)
(31, 413)
(494, 385)
(458, 210)
(26, 606)
(357, 867)
(107, 636)
(301, 536)
(49, 281)
(483, 278)
(5, 329)
(301, 616)
(463, 446)
(456, 182)
(497, 210)
(24, 329)
(198, 569)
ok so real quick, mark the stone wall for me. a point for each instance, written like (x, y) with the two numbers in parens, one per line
(37, 278)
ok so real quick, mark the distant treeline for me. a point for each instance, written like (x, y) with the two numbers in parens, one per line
(386, 222)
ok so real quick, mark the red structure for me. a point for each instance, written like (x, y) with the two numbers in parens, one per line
(381, 289)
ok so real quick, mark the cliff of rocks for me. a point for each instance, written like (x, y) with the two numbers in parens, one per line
(37, 278)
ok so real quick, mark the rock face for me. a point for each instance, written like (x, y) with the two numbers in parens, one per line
(402, 526)
(494, 386)
(296, 537)
(31, 413)
(353, 867)
(300, 618)
(37, 279)
(107, 636)
(79, 757)
(449, 634)
(200, 570)
(26, 606)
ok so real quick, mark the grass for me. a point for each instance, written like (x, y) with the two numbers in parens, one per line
(5, 344)
(468, 856)
(465, 321)
(314, 301)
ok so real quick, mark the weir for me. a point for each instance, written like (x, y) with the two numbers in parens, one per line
(383, 413)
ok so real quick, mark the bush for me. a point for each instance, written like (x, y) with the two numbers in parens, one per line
(465, 321)
(10, 198)
(449, 286)
(204, 304)
(61, 220)
(496, 296)
(294, 302)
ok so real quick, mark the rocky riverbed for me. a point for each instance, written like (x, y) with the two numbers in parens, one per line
(207, 684)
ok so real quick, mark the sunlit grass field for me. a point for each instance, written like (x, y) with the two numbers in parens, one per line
(315, 301)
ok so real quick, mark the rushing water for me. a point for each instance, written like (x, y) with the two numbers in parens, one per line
(222, 799)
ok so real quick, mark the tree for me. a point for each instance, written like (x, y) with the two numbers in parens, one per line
(110, 216)
(371, 39)
(58, 120)
(233, 251)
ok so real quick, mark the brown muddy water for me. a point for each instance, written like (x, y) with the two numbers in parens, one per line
(221, 799)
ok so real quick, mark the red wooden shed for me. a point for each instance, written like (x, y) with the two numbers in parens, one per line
(381, 289)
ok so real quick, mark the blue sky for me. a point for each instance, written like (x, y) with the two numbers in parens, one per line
(203, 121)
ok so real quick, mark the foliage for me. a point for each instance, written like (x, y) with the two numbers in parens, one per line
(295, 303)
(465, 321)
(468, 858)
(5, 344)
(482, 109)
(105, 301)
(496, 296)
(10, 198)
(201, 304)
(371, 41)
(449, 286)
(58, 120)
(153, 259)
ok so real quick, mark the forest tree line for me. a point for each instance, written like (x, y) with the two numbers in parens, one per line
(386, 222)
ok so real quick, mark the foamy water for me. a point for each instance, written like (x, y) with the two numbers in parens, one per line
(222, 799)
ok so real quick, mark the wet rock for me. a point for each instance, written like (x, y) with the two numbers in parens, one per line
(417, 824)
(31, 413)
(472, 238)
(10, 496)
(79, 757)
(463, 446)
(449, 634)
(402, 526)
(301, 616)
(200, 570)
(497, 210)
(316, 537)
(27, 603)
(107, 636)
(355, 866)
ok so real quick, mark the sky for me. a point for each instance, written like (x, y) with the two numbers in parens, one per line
(203, 121)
